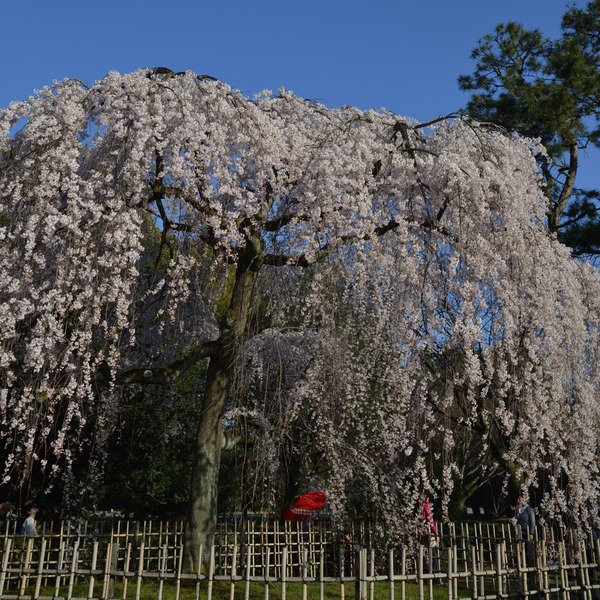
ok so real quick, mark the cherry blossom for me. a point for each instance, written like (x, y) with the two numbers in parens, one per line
(381, 289)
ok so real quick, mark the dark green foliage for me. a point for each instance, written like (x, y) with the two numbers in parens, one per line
(149, 456)
(582, 222)
(548, 89)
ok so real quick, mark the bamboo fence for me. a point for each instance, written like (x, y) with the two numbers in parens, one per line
(483, 561)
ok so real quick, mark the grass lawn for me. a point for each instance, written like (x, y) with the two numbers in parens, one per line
(149, 590)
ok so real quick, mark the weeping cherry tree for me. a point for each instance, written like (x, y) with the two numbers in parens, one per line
(143, 218)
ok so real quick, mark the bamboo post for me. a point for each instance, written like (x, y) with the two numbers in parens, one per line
(341, 570)
(266, 571)
(289, 540)
(482, 568)
(499, 582)
(233, 572)
(522, 567)
(247, 587)
(321, 572)
(251, 541)
(360, 587)
(430, 572)
(283, 573)
(323, 535)
(314, 549)
(562, 572)
(73, 569)
(474, 570)
(24, 573)
(371, 573)
(150, 545)
(161, 572)
(308, 538)
(403, 573)
(455, 582)
(126, 566)
(299, 546)
(583, 571)
(179, 566)
(112, 566)
(138, 582)
(219, 552)
(7, 548)
(211, 573)
(589, 565)
(449, 572)
(60, 550)
(93, 568)
(420, 573)
(542, 565)
(463, 548)
(106, 570)
(304, 573)
(107, 566)
(61, 535)
(391, 573)
(199, 573)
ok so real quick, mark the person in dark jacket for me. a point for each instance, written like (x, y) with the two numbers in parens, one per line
(525, 519)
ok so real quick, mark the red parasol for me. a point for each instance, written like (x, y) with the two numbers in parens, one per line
(304, 506)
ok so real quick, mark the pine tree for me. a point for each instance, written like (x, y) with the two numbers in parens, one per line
(548, 89)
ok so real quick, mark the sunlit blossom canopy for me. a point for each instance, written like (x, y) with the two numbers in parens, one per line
(381, 291)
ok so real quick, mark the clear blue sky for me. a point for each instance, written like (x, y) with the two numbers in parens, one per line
(404, 55)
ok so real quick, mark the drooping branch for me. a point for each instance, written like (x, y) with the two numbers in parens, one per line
(280, 260)
(160, 375)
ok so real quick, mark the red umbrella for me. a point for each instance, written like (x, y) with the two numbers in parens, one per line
(304, 506)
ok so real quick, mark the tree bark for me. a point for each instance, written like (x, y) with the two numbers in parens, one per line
(560, 205)
(203, 510)
(202, 515)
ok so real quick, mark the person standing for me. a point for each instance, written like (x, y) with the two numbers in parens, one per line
(427, 525)
(28, 527)
(525, 517)
(429, 536)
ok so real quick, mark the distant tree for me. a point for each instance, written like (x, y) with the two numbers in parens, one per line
(145, 221)
(548, 89)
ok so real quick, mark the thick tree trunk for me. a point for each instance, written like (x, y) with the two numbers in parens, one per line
(292, 477)
(202, 516)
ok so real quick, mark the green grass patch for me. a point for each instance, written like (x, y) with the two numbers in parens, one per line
(149, 590)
